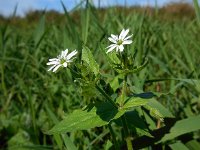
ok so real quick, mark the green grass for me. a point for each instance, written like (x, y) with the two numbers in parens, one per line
(33, 100)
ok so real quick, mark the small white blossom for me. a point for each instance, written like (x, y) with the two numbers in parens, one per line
(119, 41)
(62, 60)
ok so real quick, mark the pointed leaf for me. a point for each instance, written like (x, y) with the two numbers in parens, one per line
(163, 111)
(40, 31)
(82, 120)
(135, 102)
(182, 127)
(88, 57)
(178, 146)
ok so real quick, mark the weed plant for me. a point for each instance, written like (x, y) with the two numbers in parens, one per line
(79, 107)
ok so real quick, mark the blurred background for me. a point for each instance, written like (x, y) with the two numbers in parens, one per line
(33, 100)
(25, 6)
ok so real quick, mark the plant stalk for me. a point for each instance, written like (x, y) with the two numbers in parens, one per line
(123, 118)
(106, 96)
(113, 137)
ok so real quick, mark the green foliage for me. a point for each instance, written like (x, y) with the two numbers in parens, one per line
(97, 116)
(89, 59)
(181, 127)
(166, 88)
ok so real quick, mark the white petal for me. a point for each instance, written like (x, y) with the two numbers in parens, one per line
(51, 67)
(64, 64)
(112, 40)
(111, 48)
(123, 34)
(117, 48)
(121, 48)
(127, 42)
(72, 54)
(65, 53)
(53, 63)
(53, 59)
(56, 68)
(115, 37)
(128, 37)
(111, 45)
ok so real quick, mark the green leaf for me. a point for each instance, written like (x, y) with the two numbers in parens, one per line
(154, 112)
(135, 102)
(108, 145)
(88, 57)
(182, 127)
(193, 145)
(19, 139)
(98, 116)
(39, 31)
(85, 20)
(178, 146)
(68, 143)
(197, 9)
(135, 121)
(154, 104)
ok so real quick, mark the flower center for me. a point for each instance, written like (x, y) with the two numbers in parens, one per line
(62, 61)
(119, 42)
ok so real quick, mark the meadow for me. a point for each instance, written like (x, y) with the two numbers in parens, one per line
(34, 101)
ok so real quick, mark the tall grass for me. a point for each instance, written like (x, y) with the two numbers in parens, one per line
(33, 100)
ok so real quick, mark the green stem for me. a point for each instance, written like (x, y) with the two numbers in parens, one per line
(123, 91)
(123, 118)
(106, 96)
(126, 132)
(128, 143)
(113, 137)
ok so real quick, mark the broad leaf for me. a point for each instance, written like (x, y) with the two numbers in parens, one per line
(193, 145)
(178, 146)
(135, 102)
(182, 127)
(159, 107)
(98, 116)
(135, 121)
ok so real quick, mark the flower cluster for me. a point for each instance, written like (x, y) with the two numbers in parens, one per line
(64, 58)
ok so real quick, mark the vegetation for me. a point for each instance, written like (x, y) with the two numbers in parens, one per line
(36, 105)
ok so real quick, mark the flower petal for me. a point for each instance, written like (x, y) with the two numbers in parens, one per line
(64, 53)
(111, 48)
(70, 55)
(117, 48)
(115, 37)
(64, 64)
(123, 34)
(121, 48)
(51, 67)
(112, 40)
(111, 45)
(53, 63)
(53, 59)
(127, 42)
(56, 68)
(128, 37)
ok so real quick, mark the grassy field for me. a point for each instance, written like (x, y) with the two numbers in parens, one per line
(33, 100)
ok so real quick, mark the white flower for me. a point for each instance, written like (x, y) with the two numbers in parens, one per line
(62, 60)
(119, 41)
